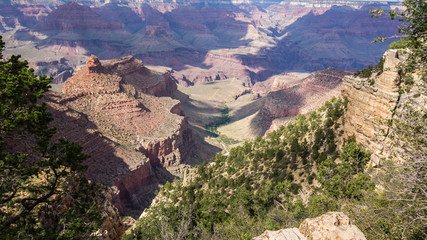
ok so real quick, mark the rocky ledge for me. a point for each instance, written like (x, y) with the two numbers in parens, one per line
(114, 109)
(331, 225)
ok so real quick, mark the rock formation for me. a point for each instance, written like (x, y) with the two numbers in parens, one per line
(119, 111)
(371, 103)
(331, 225)
(302, 96)
(201, 42)
(282, 234)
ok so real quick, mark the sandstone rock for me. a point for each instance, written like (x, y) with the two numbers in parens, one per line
(283, 234)
(332, 225)
(371, 106)
(329, 226)
(114, 110)
(93, 64)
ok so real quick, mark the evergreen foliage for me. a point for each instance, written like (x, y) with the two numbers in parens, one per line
(254, 187)
(367, 72)
(42, 190)
(414, 32)
(224, 119)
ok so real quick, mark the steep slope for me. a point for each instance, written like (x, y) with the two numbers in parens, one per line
(291, 94)
(340, 37)
(305, 96)
(118, 110)
(372, 102)
(251, 186)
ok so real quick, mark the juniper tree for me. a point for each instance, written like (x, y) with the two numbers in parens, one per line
(42, 189)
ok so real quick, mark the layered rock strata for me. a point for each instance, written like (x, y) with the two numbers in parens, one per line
(302, 96)
(371, 104)
(119, 111)
(202, 42)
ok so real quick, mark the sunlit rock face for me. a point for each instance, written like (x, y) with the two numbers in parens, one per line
(121, 112)
(302, 96)
(371, 104)
(331, 225)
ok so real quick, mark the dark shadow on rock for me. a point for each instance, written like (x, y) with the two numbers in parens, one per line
(278, 104)
(339, 38)
(109, 163)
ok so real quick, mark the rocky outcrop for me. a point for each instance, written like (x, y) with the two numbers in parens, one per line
(110, 163)
(93, 65)
(139, 79)
(371, 103)
(331, 225)
(112, 108)
(110, 76)
(282, 234)
(112, 227)
(302, 96)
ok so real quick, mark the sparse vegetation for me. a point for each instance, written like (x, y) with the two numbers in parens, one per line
(367, 72)
(224, 119)
(400, 44)
(413, 33)
(256, 183)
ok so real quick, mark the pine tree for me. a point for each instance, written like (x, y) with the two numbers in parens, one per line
(42, 189)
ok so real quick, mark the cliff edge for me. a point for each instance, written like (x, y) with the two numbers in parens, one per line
(371, 105)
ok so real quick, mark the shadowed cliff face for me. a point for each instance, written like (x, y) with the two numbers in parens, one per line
(199, 42)
(339, 38)
(302, 96)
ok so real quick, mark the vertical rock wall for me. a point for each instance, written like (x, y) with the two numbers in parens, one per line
(371, 107)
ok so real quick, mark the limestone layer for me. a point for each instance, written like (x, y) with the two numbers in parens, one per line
(371, 103)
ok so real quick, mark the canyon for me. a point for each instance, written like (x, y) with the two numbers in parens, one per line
(174, 67)
(194, 40)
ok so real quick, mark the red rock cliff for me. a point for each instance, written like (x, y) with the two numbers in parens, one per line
(112, 108)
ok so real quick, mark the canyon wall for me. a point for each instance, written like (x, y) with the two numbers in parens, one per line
(301, 96)
(121, 112)
(371, 105)
(197, 42)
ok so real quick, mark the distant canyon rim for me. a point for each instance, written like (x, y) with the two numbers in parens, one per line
(197, 41)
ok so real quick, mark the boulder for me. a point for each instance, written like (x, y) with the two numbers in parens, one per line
(283, 234)
(329, 226)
